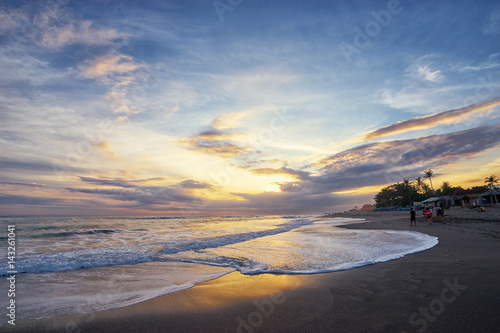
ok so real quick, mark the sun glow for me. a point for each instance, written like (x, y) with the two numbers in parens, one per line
(272, 188)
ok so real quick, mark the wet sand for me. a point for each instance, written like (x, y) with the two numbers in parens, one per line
(452, 287)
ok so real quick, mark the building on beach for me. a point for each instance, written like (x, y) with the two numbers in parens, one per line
(367, 207)
(491, 197)
(434, 201)
(464, 198)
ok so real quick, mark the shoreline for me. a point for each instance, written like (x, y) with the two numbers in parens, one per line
(383, 297)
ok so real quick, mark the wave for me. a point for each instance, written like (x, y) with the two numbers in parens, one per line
(73, 292)
(217, 241)
(318, 253)
(135, 254)
(299, 246)
(78, 233)
(156, 217)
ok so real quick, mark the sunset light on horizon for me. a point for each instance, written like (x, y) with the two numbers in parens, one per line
(243, 107)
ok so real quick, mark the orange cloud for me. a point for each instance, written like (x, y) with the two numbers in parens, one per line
(104, 67)
(230, 120)
(219, 138)
(122, 72)
(429, 121)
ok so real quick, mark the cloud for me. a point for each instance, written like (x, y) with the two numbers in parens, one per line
(492, 27)
(10, 18)
(218, 139)
(107, 67)
(374, 164)
(19, 67)
(34, 167)
(224, 138)
(285, 203)
(123, 73)
(492, 62)
(193, 184)
(422, 69)
(19, 204)
(102, 145)
(385, 162)
(230, 120)
(23, 184)
(425, 73)
(221, 148)
(9, 199)
(299, 202)
(215, 134)
(281, 171)
(147, 195)
(83, 32)
(54, 28)
(405, 98)
(107, 182)
(142, 195)
(429, 121)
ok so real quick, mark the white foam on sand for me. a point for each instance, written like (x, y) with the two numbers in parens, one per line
(46, 295)
(96, 279)
(317, 249)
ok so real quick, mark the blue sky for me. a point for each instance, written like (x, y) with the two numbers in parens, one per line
(248, 107)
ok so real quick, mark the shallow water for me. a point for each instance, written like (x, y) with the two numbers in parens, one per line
(70, 265)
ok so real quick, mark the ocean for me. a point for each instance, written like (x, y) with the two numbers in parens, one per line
(72, 265)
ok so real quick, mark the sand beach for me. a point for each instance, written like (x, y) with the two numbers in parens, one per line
(452, 287)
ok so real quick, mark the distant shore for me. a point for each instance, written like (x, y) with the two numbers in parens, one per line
(452, 215)
(452, 287)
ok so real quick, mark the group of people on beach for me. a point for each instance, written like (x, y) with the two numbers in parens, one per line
(427, 212)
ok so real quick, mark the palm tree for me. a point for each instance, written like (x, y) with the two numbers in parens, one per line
(428, 175)
(418, 183)
(406, 182)
(425, 189)
(491, 181)
(445, 188)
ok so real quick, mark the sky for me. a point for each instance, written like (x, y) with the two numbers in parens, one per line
(241, 107)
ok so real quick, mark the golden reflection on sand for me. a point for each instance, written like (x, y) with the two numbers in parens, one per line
(233, 287)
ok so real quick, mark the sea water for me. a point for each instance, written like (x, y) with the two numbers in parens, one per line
(71, 265)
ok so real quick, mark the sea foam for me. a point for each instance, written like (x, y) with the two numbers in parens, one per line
(89, 264)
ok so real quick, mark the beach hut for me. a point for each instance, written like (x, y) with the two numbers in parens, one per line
(367, 207)
(465, 198)
(492, 196)
(434, 201)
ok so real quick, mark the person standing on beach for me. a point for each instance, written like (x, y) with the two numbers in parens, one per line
(439, 213)
(428, 214)
(413, 218)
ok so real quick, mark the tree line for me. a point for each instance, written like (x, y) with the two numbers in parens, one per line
(407, 192)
